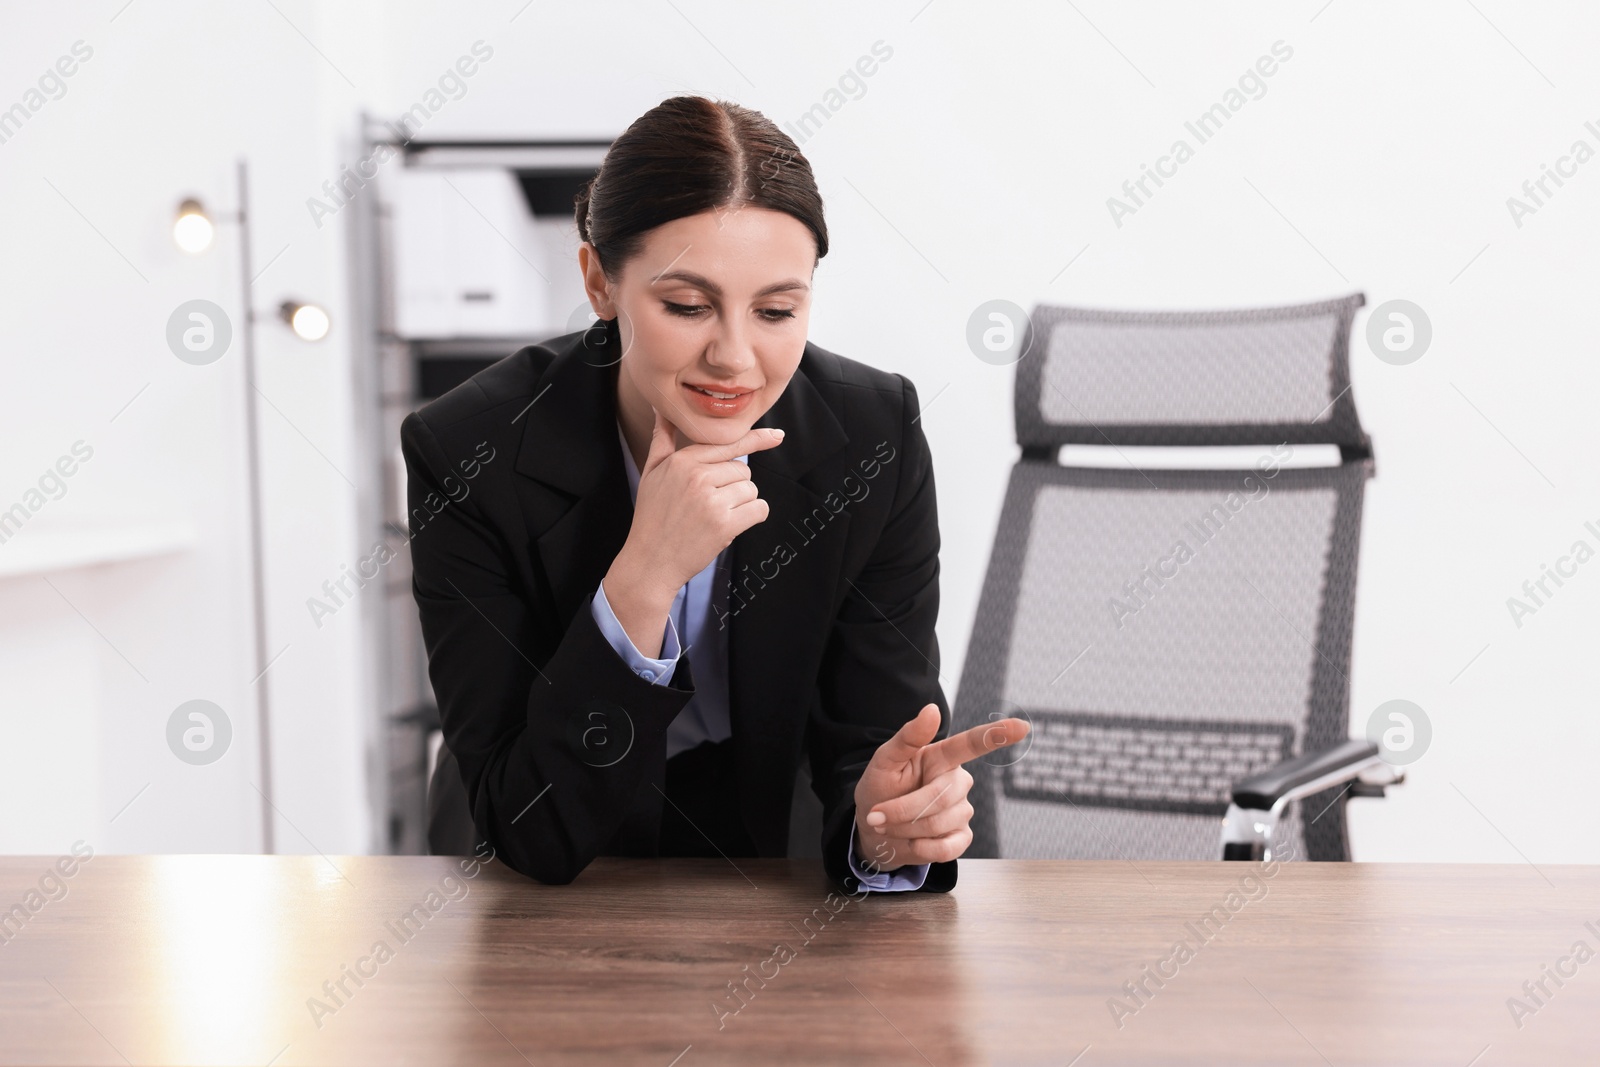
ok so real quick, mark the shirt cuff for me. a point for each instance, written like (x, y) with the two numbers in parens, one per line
(658, 671)
(911, 876)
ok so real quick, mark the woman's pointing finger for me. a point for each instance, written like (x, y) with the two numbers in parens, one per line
(970, 744)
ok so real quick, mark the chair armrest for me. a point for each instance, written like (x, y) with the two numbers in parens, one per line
(1303, 775)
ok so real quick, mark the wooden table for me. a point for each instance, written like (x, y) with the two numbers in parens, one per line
(223, 959)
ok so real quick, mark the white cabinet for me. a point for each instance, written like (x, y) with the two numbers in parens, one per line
(469, 260)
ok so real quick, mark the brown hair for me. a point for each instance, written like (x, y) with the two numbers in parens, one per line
(686, 155)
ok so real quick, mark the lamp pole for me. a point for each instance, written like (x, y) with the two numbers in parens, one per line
(257, 548)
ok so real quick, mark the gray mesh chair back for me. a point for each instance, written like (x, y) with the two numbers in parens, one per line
(1168, 632)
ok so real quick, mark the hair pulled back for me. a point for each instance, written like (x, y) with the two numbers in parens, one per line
(686, 155)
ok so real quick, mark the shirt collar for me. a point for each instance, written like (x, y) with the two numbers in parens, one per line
(633, 468)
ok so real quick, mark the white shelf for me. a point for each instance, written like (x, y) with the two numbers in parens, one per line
(41, 547)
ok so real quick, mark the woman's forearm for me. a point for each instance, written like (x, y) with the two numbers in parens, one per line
(639, 603)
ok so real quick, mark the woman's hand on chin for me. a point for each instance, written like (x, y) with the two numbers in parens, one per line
(691, 503)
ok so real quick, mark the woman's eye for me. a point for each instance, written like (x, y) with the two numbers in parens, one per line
(694, 311)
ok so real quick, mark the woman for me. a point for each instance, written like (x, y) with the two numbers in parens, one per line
(661, 561)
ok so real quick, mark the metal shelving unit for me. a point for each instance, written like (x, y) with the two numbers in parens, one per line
(411, 353)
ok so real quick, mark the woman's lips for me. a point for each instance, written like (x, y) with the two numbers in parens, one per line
(718, 406)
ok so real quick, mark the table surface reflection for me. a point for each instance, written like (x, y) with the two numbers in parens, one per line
(290, 960)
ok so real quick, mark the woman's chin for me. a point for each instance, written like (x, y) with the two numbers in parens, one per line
(718, 433)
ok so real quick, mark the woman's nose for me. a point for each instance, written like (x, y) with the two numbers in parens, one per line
(730, 350)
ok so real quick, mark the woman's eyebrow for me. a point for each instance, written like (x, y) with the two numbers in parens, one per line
(701, 282)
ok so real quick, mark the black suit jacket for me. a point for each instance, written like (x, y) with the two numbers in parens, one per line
(519, 502)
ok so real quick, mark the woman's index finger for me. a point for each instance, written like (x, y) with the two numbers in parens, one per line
(970, 744)
(755, 440)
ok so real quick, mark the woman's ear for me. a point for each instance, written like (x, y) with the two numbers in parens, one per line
(595, 283)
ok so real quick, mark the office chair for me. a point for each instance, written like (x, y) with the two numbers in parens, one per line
(1178, 639)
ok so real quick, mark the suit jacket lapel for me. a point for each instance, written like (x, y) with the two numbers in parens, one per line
(580, 518)
(783, 574)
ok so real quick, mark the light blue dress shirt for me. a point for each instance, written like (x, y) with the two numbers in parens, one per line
(695, 613)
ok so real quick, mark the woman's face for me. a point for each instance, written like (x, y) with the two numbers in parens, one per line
(718, 302)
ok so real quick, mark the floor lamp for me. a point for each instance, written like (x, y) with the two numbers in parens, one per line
(193, 232)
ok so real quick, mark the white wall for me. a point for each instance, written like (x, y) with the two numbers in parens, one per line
(171, 95)
(976, 165)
